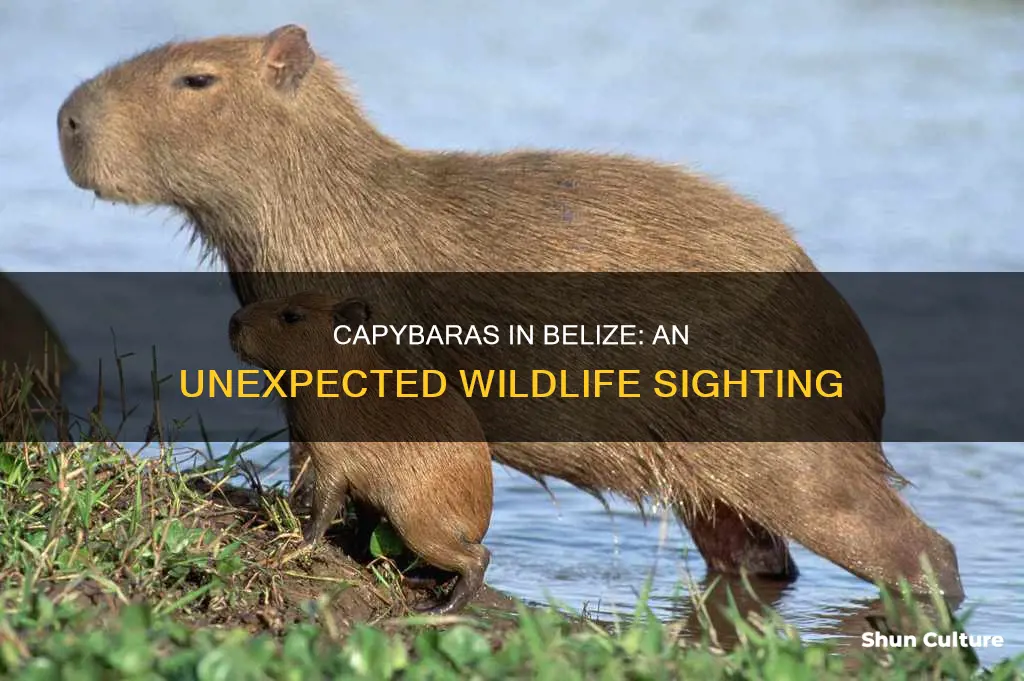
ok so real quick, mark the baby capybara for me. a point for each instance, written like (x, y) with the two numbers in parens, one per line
(437, 495)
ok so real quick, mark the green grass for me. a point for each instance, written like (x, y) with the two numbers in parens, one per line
(117, 567)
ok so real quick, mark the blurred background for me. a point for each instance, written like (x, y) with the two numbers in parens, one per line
(887, 134)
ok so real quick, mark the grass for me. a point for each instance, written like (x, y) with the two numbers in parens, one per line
(114, 566)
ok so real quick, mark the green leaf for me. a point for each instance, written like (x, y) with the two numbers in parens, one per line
(385, 542)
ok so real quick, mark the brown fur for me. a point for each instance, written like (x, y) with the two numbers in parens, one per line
(277, 169)
(437, 495)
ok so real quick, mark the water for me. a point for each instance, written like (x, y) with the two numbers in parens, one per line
(887, 134)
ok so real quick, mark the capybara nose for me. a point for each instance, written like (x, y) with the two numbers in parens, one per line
(69, 118)
(71, 130)
(71, 124)
(76, 113)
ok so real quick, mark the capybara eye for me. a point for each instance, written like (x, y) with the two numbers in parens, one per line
(198, 81)
(291, 316)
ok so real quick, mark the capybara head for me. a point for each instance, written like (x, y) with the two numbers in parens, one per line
(288, 333)
(166, 126)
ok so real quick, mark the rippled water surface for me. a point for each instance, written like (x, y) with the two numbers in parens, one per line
(887, 134)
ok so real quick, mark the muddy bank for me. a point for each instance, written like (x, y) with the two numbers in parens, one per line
(365, 591)
(96, 526)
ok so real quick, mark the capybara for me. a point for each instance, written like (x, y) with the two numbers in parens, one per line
(437, 495)
(258, 143)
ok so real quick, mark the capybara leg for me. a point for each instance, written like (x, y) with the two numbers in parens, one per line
(883, 549)
(730, 544)
(835, 499)
(328, 500)
(300, 474)
(474, 562)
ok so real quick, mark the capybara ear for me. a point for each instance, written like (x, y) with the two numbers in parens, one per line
(287, 57)
(351, 312)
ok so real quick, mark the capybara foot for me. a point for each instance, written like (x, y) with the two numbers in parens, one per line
(327, 503)
(459, 598)
(730, 545)
(309, 537)
(946, 569)
(466, 587)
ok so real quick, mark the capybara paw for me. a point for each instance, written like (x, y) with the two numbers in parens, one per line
(310, 537)
(420, 581)
(447, 607)
(946, 568)
(460, 596)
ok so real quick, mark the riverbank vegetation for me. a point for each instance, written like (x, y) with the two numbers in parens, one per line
(117, 566)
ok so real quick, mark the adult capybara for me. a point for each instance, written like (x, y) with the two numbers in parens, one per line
(437, 495)
(258, 143)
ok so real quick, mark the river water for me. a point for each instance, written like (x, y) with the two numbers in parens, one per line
(887, 134)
